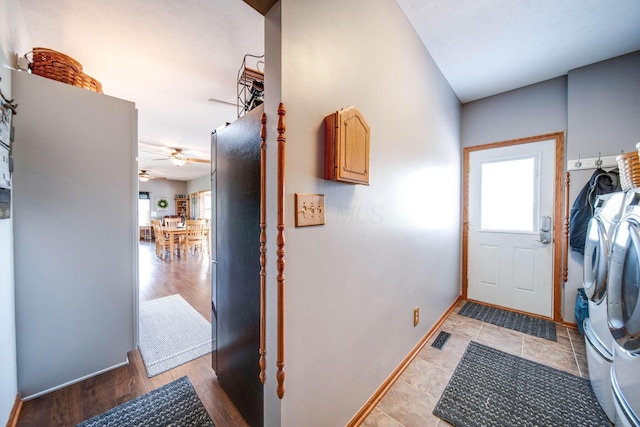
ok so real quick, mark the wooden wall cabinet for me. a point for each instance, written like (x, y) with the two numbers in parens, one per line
(347, 137)
(182, 207)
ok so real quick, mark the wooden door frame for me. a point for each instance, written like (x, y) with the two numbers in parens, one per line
(558, 201)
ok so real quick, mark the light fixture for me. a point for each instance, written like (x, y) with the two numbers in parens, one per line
(144, 176)
(178, 158)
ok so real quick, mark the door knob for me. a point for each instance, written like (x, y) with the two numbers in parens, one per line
(545, 230)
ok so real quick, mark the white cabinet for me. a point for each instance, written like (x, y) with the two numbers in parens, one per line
(74, 187)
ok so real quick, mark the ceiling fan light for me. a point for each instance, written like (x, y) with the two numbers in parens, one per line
(178, 161)
(143, 178)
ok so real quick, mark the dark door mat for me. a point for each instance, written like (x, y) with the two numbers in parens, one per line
(441, 340)
(492, 388)
(508, 319)
(174, 404)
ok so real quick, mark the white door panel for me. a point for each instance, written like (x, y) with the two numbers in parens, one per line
(510, 190)
(489, 265)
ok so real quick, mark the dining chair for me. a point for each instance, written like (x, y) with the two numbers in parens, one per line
(175, 222)
(162, 241)
(207, 235)
(155, 222)
(172, 222)
(194, 238)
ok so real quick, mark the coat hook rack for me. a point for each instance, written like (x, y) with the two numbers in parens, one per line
(592, 163)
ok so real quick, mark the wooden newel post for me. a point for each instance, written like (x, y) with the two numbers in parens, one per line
(280, 251)
(263, 249)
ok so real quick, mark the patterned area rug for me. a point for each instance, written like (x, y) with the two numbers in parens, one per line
(171, 333)
(175, 404)
(507, 319)
(493, 388)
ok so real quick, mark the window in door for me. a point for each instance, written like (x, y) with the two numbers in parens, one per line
(509, 195)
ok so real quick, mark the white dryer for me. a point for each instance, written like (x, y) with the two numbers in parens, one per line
(608, 210)
(623, 310)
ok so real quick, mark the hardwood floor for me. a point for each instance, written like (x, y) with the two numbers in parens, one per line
(73, 404)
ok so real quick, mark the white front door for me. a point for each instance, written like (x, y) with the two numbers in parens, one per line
(510, 220)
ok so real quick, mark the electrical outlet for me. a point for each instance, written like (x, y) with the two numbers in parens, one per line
(416, 316)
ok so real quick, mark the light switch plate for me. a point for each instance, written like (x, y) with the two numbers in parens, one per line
(309, 209)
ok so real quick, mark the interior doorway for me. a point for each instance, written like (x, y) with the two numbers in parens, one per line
(185, 275)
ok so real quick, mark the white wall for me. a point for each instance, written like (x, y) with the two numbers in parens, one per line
(532, 110)
(604, 107)
(199, 184)
(352, 284)
(75, 241)
(14, 40)
(164, 188)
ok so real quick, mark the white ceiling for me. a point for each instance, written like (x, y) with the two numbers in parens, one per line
(171, 56)
(486, 47)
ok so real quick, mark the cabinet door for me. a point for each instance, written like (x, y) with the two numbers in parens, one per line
(347, 147)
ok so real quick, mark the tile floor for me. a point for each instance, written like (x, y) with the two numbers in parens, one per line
(411, 399)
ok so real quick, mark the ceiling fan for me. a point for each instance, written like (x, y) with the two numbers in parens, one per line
(179, 158)
(144, 176)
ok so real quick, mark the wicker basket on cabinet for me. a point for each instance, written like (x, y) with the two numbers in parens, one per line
(60, 67)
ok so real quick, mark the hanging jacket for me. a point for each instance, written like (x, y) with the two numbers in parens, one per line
(601, 182)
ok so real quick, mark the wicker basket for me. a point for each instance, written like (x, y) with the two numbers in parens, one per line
(87, 82)
(41, 56)
(629, 166)
(60, 67)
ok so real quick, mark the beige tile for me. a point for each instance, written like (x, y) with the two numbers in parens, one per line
(577, 341)
(575, 334)
(444, 360)
(551, 354)
(458, 306)
(377, 418)
(563, 343)
(427, 377)
(562, 334)
(579, 347)
(450, 354)
(463, 325)
(503, 339)
(409, 406)
(583, 365)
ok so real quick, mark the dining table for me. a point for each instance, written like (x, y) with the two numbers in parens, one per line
(174, 232)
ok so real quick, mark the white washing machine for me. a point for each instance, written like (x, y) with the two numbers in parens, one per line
(608, 210)
(623, 311)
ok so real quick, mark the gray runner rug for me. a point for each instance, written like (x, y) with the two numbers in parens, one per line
(492, 388)
(175, 404)
(171, 333)
(508, 319)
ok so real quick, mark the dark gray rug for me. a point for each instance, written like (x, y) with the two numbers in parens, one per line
(508, 319)
(492, 388)
(175, 404)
